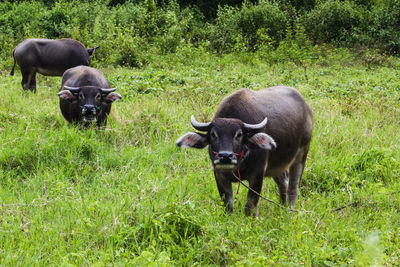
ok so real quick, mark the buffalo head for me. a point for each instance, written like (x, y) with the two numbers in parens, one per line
(89, 99)
(229, 140)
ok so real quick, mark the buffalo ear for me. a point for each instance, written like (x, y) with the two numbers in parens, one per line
(262, 140)
(192, 139)
(111, 97)
(67, 95)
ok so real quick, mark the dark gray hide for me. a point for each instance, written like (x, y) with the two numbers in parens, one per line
(272, 127)
(48, 57)
(85, 96)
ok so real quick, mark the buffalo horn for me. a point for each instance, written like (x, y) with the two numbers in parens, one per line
(255, 127)
(107, 91)
(201, 126)
(72, 89)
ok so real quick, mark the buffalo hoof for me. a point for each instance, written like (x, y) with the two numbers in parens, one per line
(229, 207)
(248, 211)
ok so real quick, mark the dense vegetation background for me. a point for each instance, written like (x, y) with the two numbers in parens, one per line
(132, 32)
(126, 195)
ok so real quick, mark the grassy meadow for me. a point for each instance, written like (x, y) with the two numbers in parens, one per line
(127, 195)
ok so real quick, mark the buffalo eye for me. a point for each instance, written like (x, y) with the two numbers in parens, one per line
(98, 97)
(81, 96)
(239, 134)
(213, 135)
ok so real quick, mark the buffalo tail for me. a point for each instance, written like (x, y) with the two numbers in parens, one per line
(12, 70)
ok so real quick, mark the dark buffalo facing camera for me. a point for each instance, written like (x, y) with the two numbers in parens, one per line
(86, 96)
(48, 57)
(256, 134)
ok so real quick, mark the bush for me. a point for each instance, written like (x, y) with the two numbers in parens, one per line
(333, 21)
(250, 26)
(302, 5)
(223, 34)
(384, 29)
(265, 16)
(134, 31)
(209, 8)
(131, 32)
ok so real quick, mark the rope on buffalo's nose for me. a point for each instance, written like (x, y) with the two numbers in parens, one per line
(240, 181)
(241, 156)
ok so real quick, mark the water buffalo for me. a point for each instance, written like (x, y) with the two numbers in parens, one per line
(48, 57)
(86, 96)
(242, 143)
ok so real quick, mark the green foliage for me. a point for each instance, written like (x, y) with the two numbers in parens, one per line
(333, 21)
(132, 33)
(296, 49)
(384, 26)
(266, 17)
(248, 26)
(210, 7)
(302, 5)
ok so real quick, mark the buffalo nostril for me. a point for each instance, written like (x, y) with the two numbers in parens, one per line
(89, 109)
(225, 157)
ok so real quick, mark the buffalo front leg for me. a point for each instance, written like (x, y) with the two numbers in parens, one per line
(225, 190)
(282, 182)
(253, 196)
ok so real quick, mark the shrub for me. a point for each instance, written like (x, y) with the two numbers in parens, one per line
(332, 21)
(129, 32)
(135, 32)
(303, 5)
(266, 16)
(223, 33)
(209, 8)
(128, 50)
(384, 29)
(249, 26)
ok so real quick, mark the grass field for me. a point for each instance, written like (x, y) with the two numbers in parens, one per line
(127, 195)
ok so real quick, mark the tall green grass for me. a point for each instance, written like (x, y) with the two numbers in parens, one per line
(126, 195)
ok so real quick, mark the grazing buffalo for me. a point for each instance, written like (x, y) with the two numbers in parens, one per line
(242, 144)
(86, 96)
(48, 57)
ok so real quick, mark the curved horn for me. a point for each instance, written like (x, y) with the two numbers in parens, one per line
(255, 127)
(108, 90)
(200, 125)
(73, 89)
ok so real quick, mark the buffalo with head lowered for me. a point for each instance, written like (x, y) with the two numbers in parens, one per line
(48, 57)
(256, 134)
(86, 96)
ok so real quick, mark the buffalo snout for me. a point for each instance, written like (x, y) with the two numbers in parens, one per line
(225, 157)
(88, 110)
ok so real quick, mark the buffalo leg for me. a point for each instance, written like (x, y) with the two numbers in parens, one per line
(251, 206)
(26, 79)
(282, 182)
(32, 86)
(295, 173)
(225, 191)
